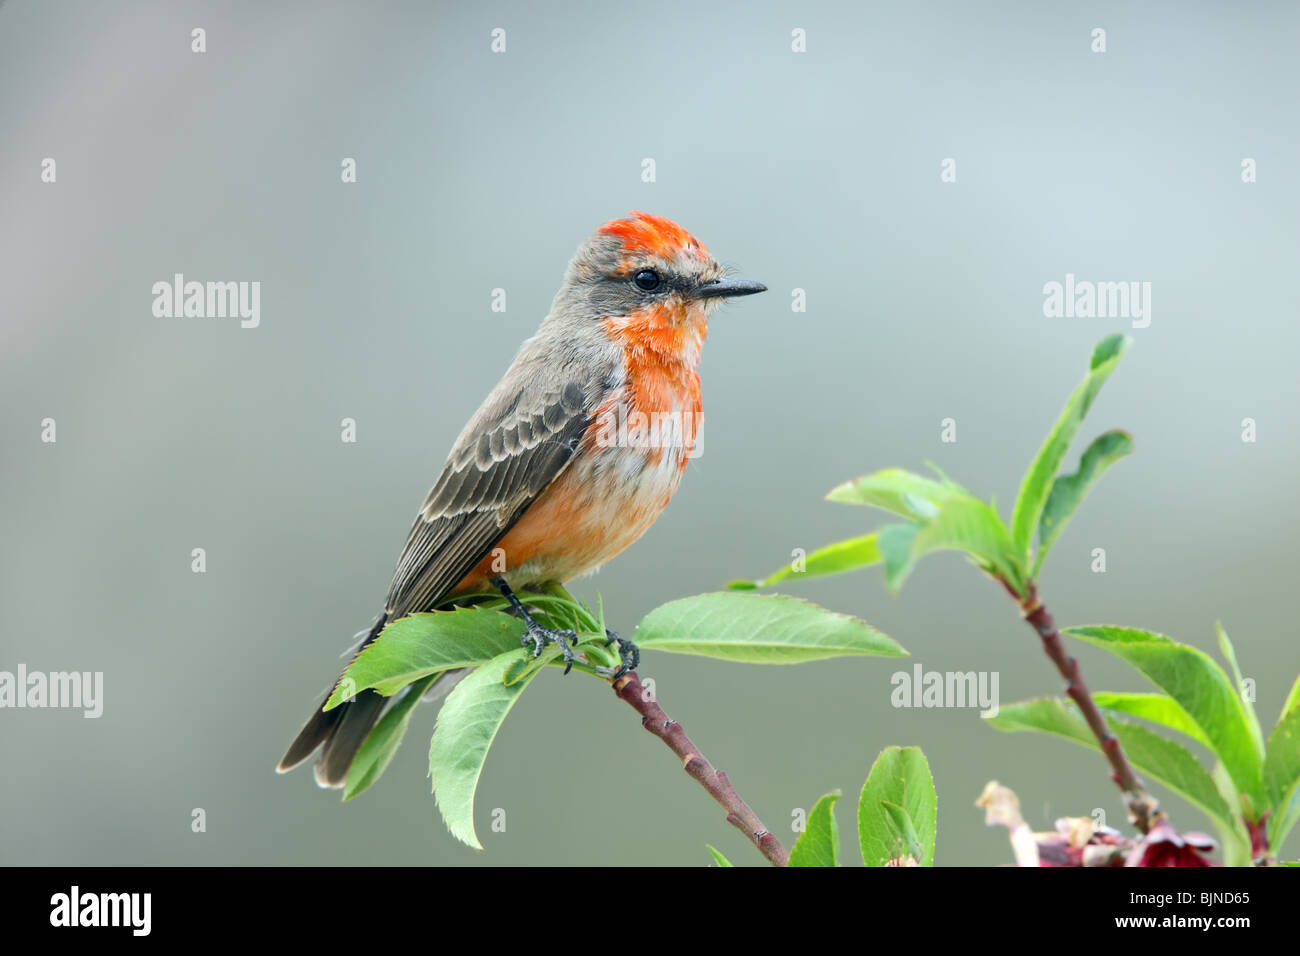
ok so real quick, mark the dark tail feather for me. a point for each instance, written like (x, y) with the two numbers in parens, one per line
(347, 736)
(340, 731)
(316, 731)
(344, 729)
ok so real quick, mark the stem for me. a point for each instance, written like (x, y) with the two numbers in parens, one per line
(1143, 809)
(629, 688)
(1259, 851)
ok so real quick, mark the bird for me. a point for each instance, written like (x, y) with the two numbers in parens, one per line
(570, 458)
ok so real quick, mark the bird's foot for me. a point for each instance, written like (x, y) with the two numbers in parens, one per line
(628, 653)
(539, 636)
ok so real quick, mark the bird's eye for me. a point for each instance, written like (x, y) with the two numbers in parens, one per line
(647, 280)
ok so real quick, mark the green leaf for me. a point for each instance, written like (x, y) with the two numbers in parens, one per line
(557, 608)
(1230, 655)
(904, 830)
(1068, 491)
(1151, 754)
(1292, 699)
(1159, 708)
(1235, 839)
(1047, 714)
(381, 743)
(467, 725)
(901, 776)
(423, 644)
(1200, 686)
(525, 667)
(1282, 777)
(1037, 483)
(599, 654)
(896, 542)
(833, 559)
(819, 844)
(894, 489)
(718, 858)
(759, 629)
(967, 524)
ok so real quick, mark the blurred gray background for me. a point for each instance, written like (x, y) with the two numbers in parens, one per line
(477, 171)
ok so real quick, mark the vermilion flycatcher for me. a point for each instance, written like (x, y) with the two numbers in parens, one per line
(572, 456)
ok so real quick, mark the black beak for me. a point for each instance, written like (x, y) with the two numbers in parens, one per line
(726, 288)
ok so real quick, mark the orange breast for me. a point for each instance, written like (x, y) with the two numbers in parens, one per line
(629, 463)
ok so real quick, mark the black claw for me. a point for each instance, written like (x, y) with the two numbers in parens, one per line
(559, 638)
(539, 635)
(629, 654)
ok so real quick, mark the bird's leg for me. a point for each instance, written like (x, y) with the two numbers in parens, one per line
(628, 652)
(538, 635)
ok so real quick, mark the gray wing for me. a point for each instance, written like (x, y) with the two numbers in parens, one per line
(517, 444)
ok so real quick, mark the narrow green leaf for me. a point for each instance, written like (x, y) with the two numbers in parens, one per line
(819, 844)
(1285, 817)
(901, 776)
(835, 558)
(1191, 677)
(1292, 699)
(423, 644)
(1151, 754)
(1159, 708)
(1252, 719)
(895, 489)
(1037, 483)
(759, 629)
(969, 525)
(1282, 777)
(1048, 714)
(896, 542)
(600, 654)
(377, 750)
(1068, 491)
(1235, 839)
(718, 858)
(467, 725)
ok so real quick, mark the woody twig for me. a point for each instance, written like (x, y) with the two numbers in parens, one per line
(1144, 810)
(629, 688)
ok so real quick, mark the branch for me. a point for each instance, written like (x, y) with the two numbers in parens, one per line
(629, 688)
(1143, 809)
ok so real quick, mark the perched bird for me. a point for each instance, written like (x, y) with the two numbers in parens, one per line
(571, 457)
